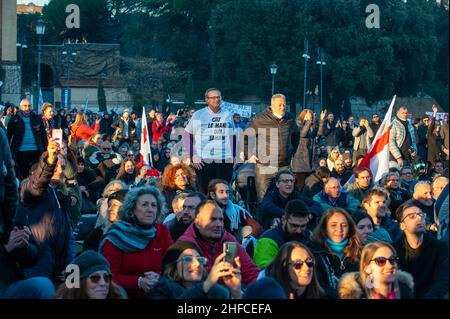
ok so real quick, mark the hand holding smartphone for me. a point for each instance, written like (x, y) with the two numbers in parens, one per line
(57, 134)
(230, 249)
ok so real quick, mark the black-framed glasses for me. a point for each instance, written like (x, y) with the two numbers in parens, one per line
(298, 264)
(414, 216)
(286, 181)
(381, 261)
(190, 259)
(96, 278)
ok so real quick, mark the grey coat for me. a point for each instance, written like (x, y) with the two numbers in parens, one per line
(304, 160)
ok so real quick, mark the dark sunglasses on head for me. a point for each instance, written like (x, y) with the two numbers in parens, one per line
(298, 264)
(96, 278)
(381, 261)
(190, 259)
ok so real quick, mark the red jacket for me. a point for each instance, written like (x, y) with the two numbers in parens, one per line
(249, 270)
(158, 130)
(83, 131)
(126, 268)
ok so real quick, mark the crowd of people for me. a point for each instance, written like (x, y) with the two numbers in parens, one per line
(275, 206)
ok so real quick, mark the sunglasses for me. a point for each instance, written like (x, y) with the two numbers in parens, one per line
(381, 261)
(131, 154)
(190, 259)
(106, 149)
(96, 278)
(298, 264)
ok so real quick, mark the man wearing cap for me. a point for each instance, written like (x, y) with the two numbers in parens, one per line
(292, 228)
(125, 128)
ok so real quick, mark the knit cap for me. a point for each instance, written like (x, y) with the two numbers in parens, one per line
(89, 262)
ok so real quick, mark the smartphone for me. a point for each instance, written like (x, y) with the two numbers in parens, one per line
(57, 134)
(230, 249)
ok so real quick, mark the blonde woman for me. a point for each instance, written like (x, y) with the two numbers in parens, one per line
(378, 276)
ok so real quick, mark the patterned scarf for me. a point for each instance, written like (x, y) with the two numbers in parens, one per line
(128, 237)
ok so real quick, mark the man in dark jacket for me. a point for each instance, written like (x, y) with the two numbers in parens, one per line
(328, 129)
(293, 227)
(340, 172)
(19, 251)
(375, 125)
(270, 153)
(424, 257)
(273, 205)
(125, 128)
(91, 185)
(8, 189)
(49, 223)
(27, 138)
(423, 198)
(375, 204)
(184, 219)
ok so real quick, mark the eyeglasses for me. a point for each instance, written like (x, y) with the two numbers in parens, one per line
(407, 173)
(130, 154)
(414, 216)
(28, 105)
(213, 97)
(96, 278)
(190, 259)
(381, 261)
(298, 264)
(106, 149)
(287, 181)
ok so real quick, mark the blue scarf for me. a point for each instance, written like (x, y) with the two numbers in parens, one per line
(337, 248)
(128, 237)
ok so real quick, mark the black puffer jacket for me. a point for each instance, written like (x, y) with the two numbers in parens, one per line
(288, 137)
(16, 132)
(8, 188)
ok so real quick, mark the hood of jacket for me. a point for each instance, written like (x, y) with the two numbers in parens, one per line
(349, 286)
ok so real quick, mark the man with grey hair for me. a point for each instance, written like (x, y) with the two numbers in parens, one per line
(210, 140)
(402, 141)
(276, 139)
(438, 186)
(423, 198)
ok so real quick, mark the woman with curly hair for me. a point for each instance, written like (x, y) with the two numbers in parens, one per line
(294, 268)
(127, 172)
(336, 247)
(177, 179)
(135, 245)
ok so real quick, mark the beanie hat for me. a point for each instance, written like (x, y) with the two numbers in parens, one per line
(89, 262)
(380, 234)
(265, 288)
(297, 207)
(174, 252)
(118, 195)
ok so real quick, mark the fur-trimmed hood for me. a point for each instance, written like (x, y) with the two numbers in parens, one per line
(349, 286)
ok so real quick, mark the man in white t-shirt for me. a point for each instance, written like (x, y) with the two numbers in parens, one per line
(211, 141)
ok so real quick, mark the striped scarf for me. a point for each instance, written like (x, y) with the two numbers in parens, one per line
(128, 237)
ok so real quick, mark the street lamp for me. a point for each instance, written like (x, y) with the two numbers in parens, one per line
(306, 57)
(273, 71)
(321, 62)
(40, 31)
(70, 56)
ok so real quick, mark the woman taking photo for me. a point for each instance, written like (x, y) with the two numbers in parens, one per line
(302, 162)
(185, 276)
(95, 279)
(135, 245)
(336, 247)
(294, 269)
(378, 276)
(177, 179)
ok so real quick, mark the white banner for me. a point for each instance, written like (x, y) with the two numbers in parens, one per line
(439, 116)
(243, 110)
